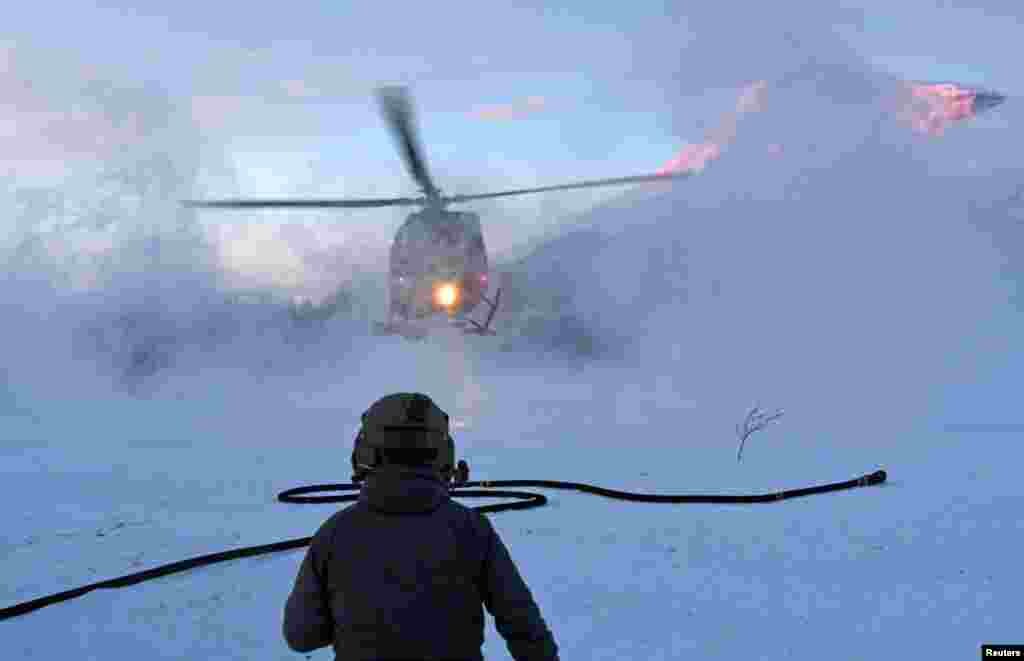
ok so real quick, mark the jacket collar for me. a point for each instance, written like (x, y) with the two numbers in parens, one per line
(403, 490)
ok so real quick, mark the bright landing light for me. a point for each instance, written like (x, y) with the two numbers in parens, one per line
(446, 295)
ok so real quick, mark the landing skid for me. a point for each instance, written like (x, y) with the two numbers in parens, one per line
(485, 328)
(468, 326)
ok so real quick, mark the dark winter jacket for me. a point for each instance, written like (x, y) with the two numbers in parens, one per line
(402, 574)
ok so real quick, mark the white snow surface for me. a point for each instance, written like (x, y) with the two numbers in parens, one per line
(867, 287)
(926, 563)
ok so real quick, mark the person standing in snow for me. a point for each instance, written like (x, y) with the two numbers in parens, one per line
(403, 573)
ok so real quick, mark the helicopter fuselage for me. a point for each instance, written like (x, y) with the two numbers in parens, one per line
(438, 264)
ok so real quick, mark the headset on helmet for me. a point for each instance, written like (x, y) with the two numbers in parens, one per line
(410, 429)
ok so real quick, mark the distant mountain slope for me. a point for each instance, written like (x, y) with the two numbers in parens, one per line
(830, 254)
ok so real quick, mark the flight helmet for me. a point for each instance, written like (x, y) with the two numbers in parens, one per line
(406, 429)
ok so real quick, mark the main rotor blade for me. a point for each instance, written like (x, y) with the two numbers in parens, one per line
(304, 204)
(396, 107)
(593, 183)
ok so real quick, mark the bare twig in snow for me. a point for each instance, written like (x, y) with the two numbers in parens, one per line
(756, 419)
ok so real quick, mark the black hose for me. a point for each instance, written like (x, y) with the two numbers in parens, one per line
(526, 501)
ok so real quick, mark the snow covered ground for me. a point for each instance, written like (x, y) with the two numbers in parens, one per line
(926, 564)
(864, 285)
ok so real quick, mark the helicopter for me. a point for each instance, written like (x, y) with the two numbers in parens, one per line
(438, 259)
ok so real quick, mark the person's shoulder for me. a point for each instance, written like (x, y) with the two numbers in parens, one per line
(480, 524)
(457, 508)
(327, 528)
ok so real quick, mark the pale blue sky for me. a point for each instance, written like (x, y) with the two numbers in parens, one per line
(594, 62)
(625, 85)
